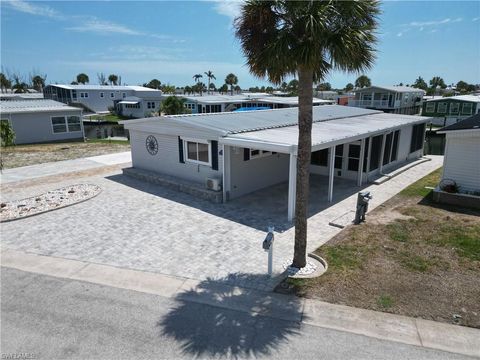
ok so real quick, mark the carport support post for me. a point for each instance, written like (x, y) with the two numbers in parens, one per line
(360, 165)
(292, 186)
(331, 170)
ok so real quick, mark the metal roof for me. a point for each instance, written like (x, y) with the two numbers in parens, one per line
(471, 98)
(471, 123)
(26, 106)
(21, 96)
(258, 97)
(239, 122)
(104, 87)
(393, 88)
(290, 100)
(277, 130)
(326, 133)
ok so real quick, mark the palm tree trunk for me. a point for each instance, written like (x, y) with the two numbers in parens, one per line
(305, 109)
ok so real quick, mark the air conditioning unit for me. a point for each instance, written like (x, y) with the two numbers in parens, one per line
(213, 184)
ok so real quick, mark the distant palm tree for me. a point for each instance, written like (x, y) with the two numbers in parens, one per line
(38, 82)
(363, 81)
(349, 87)
(82, 78)
(210, 76)
(5, 83)
(231, 80)
(197, 77)
(309, 39)
(113, 79)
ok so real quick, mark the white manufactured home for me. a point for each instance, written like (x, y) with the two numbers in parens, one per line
(38, 121)
(462, 150)
(101, 98)
(391, 99)
(241, 152)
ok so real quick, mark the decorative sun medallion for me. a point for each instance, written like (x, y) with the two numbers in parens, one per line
(151, 145)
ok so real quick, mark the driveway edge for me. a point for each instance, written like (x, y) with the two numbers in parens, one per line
(396, 328)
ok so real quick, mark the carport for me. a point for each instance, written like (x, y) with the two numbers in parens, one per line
(353, 136)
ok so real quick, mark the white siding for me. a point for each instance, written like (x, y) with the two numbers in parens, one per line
(37, 127)
(255, 174)
(462, 162)
(166, 160)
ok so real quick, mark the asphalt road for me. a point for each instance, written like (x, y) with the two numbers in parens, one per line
(44, 317)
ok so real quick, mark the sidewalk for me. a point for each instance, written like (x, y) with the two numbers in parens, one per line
(62, 167)
(401, 329)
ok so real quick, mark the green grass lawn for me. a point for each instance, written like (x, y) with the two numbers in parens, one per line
(110, 118)
(422, 261)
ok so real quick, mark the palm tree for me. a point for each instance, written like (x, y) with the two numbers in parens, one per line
(231, 80)
(349, 87)
(363, 81)
(112, 78)
(102, 80)
(38, 82)
(173, 105)
(197, 77)
(210, 76)
(420, 84)
(82, 78)
(306, 39)
(5, 83)
(153, 84)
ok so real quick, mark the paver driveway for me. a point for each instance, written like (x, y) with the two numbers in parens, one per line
(137, 225)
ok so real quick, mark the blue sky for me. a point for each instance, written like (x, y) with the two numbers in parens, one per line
(173, 40)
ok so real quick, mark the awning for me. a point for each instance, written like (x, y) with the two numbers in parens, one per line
(128, 102)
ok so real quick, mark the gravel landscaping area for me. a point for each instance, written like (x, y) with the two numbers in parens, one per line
(412, 257)
(24, 155)
(51, 200)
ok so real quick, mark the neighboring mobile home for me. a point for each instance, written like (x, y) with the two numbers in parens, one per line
(37, 121)
(225, 103)
(390, 99)
(461, 163)
(246, 151)
(449, 110)
(102, 98)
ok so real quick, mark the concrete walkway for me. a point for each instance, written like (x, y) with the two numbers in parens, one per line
(62, 167)
(401, 329)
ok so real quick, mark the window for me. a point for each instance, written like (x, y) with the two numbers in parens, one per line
(112, 95)
(387, 152)
(442, 108)
(454, 108)
(86, 95)
(353, 157)
(58, 124)
(74, 94)
(150, 104)
(430, 107)
(254, 154)
(338, 156)
(367, 97)
(102, 94)
(418, 133)
(73, 123)
(467, 108)
(375, 152)
(82, 95)
(124, 95)
(320, 158)
(396, 137)
(62, 124)
(198, 152)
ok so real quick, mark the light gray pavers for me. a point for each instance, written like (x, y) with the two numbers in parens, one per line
(137, 225)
